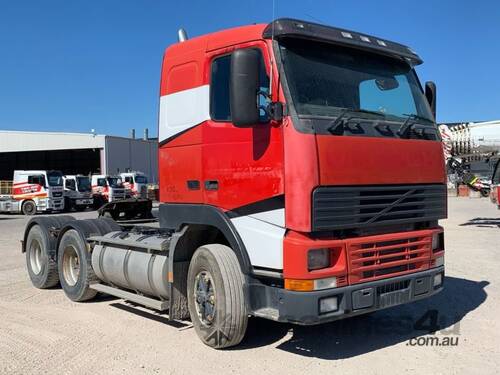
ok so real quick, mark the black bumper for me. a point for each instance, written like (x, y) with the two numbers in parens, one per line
(304, 307)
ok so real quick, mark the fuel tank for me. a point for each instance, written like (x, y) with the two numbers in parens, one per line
(133, 268)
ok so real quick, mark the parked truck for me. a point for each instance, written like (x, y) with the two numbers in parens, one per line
(136, 184)
(77, 192)
(33, 191)
(106, 189)
(495, 184)
(301, 180)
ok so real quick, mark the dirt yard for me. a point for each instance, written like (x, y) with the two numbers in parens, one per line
(42, 332)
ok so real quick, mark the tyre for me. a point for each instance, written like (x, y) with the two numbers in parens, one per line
(29, 208)
(216, 300)
(98, 202)
(75, 269)
(42, 269)
(67, 204)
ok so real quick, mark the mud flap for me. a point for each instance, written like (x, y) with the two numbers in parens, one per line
(178, 309)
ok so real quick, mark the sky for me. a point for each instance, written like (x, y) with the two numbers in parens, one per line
(74, 65)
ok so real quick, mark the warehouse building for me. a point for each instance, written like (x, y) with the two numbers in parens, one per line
(74, 153)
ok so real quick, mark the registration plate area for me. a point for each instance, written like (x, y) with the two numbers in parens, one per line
(390, 294)
(84, 201)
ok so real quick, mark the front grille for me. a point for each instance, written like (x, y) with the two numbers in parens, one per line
(371, 260)
(349, 207)
(57, 194)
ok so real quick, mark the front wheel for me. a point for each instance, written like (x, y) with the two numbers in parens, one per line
(216, 299)
(29, 208)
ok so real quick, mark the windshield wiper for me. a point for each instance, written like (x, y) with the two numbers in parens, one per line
(339, 122)
(408, 124)
(418, 117)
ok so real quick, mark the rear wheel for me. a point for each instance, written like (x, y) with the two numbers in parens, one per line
(42, 269)
(29, 208)
(75, 269)
(215, 296)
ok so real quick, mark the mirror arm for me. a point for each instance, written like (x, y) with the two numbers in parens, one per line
(272, 111)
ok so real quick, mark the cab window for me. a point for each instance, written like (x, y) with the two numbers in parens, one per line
(101, 182)
(38, 180)
(70, 184)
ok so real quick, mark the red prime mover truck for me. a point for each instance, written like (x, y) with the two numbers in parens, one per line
(301, 180)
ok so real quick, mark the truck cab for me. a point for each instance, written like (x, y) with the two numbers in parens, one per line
(77, 192)
(318, 146)
(136, 184)
(106, 188)
(35, 191)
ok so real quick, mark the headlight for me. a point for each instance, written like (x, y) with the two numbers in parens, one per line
(318, 259)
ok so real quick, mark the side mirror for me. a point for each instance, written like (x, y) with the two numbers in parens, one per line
(244, 87)
(430, 94)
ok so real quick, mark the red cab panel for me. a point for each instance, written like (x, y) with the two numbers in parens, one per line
(376, 161)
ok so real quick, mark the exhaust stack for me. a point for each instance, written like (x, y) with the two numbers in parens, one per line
(182, 35)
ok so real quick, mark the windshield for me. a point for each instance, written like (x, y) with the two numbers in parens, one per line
(114, 182)
(141, 179)
(83, 184)
(55, 178)
(325, 79)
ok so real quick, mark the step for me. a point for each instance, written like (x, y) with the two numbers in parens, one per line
(133, 297)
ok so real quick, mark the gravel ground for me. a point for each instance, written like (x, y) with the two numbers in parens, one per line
(41, 331)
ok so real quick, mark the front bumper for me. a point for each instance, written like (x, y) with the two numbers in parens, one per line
(56, 204)
(304, 307)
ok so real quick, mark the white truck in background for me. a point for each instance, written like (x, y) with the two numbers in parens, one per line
(136, 184)
(106, 189)
(77, 192)
(33, 191)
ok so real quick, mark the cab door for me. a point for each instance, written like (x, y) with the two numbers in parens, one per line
(241, 165)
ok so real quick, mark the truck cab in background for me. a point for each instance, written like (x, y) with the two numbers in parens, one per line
(77, 192)
(106, 189)
(34, 191)
(136, 184)
(495, 185)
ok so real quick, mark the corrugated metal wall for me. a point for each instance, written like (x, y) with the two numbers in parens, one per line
(134, 154)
